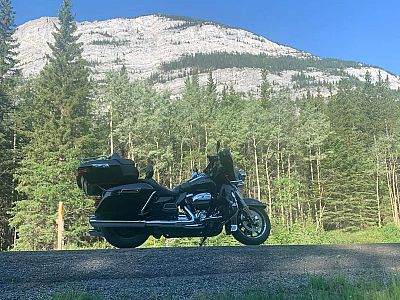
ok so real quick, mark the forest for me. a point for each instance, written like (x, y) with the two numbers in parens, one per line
(319, 163)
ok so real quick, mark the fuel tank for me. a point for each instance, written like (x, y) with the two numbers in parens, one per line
(200, 184)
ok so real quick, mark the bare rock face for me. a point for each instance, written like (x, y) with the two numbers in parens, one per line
(145, 43)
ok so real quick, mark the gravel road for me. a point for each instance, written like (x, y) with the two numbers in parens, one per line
(183, 272)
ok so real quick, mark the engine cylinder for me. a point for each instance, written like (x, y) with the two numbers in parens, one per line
(201, 201)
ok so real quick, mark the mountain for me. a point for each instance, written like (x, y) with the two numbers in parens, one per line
(163, 49)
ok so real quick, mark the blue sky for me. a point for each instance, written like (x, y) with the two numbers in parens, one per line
(366, 31)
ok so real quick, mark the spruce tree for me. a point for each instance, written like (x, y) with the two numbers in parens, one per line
(349, 165)
(60, 135)
(7, 85)
(7, 42)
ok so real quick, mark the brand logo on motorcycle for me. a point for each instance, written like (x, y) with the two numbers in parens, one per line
(101, 165)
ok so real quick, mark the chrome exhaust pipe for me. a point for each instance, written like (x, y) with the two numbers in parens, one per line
(183, 222)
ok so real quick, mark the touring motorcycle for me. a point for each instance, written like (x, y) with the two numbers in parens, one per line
(129, 209)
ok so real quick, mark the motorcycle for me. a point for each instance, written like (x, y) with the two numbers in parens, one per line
(129, 209)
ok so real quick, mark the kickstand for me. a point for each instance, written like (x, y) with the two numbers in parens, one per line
(203, 239)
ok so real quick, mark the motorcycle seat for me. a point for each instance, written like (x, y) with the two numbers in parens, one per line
(161, 191)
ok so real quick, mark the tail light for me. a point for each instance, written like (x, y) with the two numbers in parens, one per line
(82, 171)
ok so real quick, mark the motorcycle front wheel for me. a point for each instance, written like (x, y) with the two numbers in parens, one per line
(254, 229)
(124, 237)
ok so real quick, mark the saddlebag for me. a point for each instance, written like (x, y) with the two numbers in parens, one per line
(98, 174)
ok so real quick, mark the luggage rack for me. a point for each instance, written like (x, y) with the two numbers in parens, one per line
(112, 156)
(85, 159)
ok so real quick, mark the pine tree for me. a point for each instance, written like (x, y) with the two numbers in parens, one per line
(60, 135)
(349, 165)
(7, 86)
(7, 42)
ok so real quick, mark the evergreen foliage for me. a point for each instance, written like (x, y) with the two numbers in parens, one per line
(8, 74)
(112, 42)
(7, 42)
(332, 162)
(308, 159)
(221, 60)
(59, 134)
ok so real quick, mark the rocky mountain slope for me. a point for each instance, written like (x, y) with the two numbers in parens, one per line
(163, 49)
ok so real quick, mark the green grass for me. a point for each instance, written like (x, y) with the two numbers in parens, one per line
(76, 295)
(323, 288)
(318, 288)
(340, 288)
(296, 234)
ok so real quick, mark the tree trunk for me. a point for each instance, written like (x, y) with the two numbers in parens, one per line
(268, 185)
(257, 173)
(130, 146)
(312, 182)
(206, 146)
(157, 170)
(396, 188)
(170, 177)
(181, 163)
(111, 130)
(395, 193)
(290, 192)
(389, 186)
(199, 155)
(191, 159)
(320, 190)
(278, 174)
(377, 184)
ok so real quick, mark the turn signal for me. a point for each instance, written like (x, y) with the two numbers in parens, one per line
(97, 201)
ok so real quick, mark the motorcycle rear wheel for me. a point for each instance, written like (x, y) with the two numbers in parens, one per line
(124, 237)
(253, 232)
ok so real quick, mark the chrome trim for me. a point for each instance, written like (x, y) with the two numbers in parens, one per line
(189, 212)
(129, 191)
(147, 202)
(213, 218)
(141, 224)
(202, 196)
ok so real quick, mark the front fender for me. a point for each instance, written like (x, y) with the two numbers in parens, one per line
(233, 220)
(254, 202)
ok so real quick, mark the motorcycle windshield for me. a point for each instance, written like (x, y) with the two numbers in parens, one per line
(226, 161)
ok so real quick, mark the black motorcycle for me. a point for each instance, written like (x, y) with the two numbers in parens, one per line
(129, 209)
